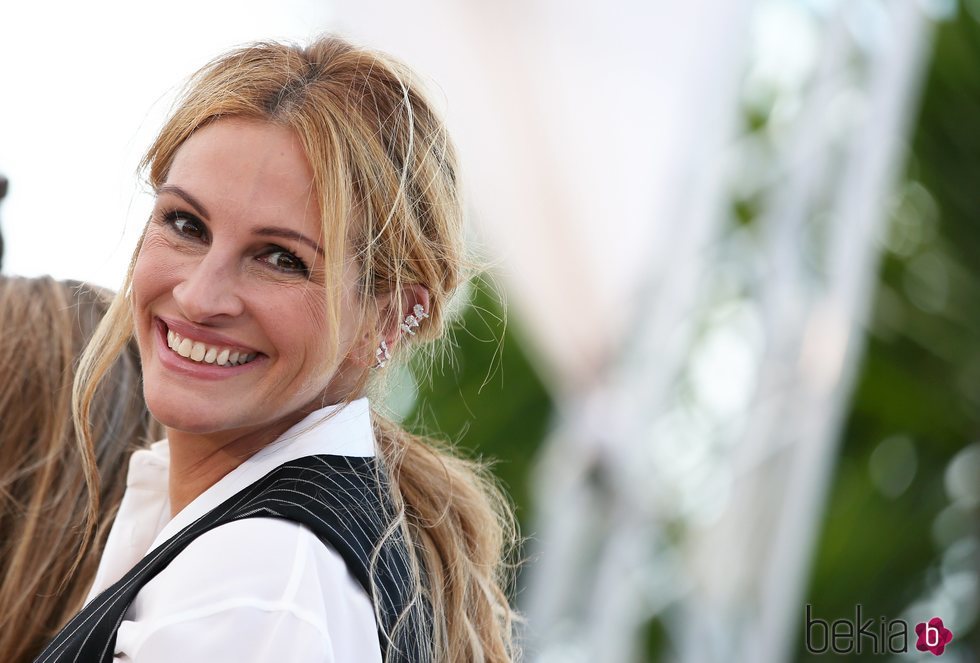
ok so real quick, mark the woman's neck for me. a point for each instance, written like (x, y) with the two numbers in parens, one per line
(198, 461)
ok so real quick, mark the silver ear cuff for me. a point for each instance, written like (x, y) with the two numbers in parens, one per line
(411, 323)
(381, 354)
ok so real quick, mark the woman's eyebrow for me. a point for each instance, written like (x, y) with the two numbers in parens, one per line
(188, 198)
(286, 233)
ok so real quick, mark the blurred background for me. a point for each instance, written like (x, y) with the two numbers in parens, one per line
(728, 358)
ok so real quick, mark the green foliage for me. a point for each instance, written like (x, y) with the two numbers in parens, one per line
(488, 398)
(920, 375)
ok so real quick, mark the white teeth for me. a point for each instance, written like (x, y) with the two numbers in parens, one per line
(198, 351)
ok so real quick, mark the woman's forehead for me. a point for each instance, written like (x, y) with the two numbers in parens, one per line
(246, 167)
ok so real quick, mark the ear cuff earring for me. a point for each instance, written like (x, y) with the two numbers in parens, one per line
(381, 354)
(412, 321)
(409, 326)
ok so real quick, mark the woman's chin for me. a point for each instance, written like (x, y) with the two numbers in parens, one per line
(197, 418)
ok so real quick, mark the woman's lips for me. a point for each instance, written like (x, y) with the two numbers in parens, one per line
(202, 357)
(204, 336)
(197, 351)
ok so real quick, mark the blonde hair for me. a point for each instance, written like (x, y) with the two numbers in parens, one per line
(385, 173)
(43, 493)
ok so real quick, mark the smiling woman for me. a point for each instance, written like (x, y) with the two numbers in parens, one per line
(211, 286)
(307, 220)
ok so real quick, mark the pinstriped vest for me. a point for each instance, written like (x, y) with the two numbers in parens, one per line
(337, 497)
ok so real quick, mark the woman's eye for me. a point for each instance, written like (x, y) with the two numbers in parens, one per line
(185, 225)
(284, 261)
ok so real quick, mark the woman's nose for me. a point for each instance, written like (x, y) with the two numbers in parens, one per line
(208, 289)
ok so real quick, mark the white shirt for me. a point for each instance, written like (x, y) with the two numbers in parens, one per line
(258, 589)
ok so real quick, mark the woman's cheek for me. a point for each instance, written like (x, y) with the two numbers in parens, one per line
(157, 266)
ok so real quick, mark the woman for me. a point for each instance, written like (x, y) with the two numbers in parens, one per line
(45, 324)
(307, 227)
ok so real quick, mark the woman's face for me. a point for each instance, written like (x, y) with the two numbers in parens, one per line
(228, 288)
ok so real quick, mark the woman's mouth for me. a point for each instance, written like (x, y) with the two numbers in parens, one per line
(207, 353)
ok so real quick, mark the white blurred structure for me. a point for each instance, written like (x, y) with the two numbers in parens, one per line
(84, 89)
(701, 366)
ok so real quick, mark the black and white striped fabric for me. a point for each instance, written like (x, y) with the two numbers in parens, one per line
(338, 498)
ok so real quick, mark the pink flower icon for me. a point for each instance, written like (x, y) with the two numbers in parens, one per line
(933, 636)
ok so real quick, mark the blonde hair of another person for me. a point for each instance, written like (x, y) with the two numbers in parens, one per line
(43, 491)
(386, 184)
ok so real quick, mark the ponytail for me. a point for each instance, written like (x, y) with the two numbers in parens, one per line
(463, 531)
